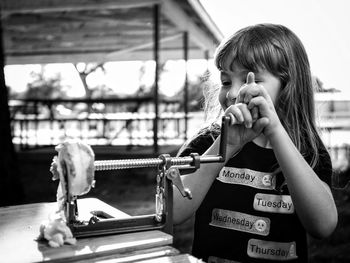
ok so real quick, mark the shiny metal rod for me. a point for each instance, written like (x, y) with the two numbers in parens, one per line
(154, 162)
(138, 163)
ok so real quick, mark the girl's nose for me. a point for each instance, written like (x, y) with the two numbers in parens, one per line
(232, 94)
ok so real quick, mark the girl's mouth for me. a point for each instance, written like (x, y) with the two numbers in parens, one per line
(230, 102)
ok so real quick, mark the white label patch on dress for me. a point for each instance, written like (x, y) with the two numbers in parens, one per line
(240, 222)
(281, 204)
(243, 176)
(271, 250)
(213, 259)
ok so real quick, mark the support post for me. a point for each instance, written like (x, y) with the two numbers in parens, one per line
(11, 189)
(156, 31)
(185, 50)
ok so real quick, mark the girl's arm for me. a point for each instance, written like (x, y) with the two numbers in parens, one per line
(311, 197)
(199, 183)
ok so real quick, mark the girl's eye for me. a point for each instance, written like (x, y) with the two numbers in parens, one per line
(226, 83)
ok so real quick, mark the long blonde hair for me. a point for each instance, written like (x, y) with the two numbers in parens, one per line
(278, 50)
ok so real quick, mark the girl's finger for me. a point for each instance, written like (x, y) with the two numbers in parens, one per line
(255, 113)
(240, 95)
(250, 78)
(236, 112)
(259, 102)
(233, 120)
(248, 92)
(247, 116)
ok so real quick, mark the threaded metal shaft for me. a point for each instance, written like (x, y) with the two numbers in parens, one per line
(138, 163)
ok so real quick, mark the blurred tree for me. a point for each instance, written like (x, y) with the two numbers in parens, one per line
(319, 86)
(142, 91)
(13, 94)
(44, 87)
(195, 93)
(84, 69)
(102, 91)
(149, 91)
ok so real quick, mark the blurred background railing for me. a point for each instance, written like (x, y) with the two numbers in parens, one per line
(114, 121)
(333, 110)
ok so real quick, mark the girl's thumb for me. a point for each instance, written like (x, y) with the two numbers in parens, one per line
(250, 78)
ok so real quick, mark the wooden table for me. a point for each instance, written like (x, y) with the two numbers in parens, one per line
(19, 229)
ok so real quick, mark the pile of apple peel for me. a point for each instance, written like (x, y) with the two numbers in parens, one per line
(56, 232)
(74, 167)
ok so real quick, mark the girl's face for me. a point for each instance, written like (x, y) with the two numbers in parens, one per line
(235, 78)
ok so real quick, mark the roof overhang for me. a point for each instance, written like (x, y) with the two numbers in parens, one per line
(60, 31)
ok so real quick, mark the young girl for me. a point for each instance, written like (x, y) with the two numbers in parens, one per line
(274, 187)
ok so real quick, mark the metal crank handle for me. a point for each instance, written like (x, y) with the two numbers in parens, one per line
(173, 174)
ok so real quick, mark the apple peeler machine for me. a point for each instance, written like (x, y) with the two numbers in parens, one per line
(168, 175)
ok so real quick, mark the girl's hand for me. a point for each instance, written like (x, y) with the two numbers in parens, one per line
(259, 102)
(245, 123)
(242, 129)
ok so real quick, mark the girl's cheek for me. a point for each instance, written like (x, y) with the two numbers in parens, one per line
(222, 99)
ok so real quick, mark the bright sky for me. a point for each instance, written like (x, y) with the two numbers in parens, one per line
(322, 25)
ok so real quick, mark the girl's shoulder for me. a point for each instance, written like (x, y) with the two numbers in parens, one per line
(201, 141)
